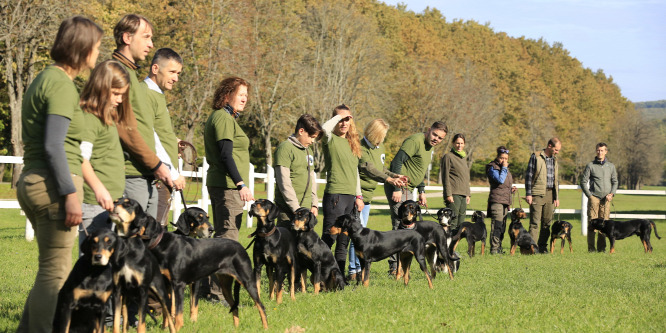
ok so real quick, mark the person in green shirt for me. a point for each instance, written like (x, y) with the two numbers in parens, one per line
(372, 170)
(342, 151)
(105, 102)
(228, 153)
(455, 180)
(412, 160)
(50, 188)
(294, 175)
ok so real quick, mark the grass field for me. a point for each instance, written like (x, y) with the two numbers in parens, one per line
(578, 292)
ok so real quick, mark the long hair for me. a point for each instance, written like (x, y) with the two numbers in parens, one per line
(375, 131)
(352, 134)
(95, 97)
(75, 41)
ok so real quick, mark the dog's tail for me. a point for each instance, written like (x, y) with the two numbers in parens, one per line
(234, 306)
(655, 229)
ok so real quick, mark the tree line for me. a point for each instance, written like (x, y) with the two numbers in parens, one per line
(306, 56)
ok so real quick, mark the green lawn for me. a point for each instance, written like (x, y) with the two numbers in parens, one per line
(570, 292)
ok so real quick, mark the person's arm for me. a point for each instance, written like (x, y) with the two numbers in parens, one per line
(164, 157)
(315, 201)
(226, 154)
(283, 181)
(359, 193)
(369, 169)
(328, 127)
(55, 132)
(583, 181)
(531, 168)
(446, 170)
(614, 182)
(396, 165)
(497, 176)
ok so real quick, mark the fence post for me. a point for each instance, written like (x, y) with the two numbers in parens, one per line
(250, 184)
(583, 213)
(270, 183)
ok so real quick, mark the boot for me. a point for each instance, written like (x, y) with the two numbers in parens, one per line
(495, 236)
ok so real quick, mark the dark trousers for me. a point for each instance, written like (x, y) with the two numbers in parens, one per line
(336, 205)
(395, 220)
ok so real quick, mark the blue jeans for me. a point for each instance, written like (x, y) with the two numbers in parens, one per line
(354, 263)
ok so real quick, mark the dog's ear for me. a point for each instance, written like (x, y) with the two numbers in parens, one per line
(182, 224)
(85, 245)
(312, 221)
(273, 214)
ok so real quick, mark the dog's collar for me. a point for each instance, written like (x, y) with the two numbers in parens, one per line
(156, 241)
(408, 226)
(267, 234)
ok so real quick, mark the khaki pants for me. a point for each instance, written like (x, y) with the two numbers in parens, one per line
(227, 211)
(38, 196)
(596, 208)
(541, 215)
(498, 214)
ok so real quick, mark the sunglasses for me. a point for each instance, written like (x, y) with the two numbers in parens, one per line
(504, 151)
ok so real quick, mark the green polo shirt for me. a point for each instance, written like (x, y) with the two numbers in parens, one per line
(419, 158)
(296, 160)
(220, 126)
(51, 92)
(341, 166)
(374, 156)
(162, 124)
(107, 158)
(145, 118)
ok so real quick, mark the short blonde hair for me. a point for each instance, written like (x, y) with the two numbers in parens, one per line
(376, 131)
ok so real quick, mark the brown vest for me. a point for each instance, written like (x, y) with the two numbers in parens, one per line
(499, 193)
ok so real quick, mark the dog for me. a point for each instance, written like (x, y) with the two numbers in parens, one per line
(409, 214)
(194, 222)
(473, 232)
(185, 260)
(616, 230)
(136, 274)
(82, 299)
(371, 245)
(444, 215)
(314, 255)
(519, 236)
(274, 247)
(561, 230)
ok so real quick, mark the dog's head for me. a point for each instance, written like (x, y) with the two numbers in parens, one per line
(265, 211)
(125, 212)
(561, 228)
(304, 220)
(598, 224)
(99, 246)
(445, 215)
(344, 224)
(408, 212)
(478, 216)
(194, 222)
(335, 281)
(517, 214)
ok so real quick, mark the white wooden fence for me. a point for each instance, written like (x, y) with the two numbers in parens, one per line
(269, 180)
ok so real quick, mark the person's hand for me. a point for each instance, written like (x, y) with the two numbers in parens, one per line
(104, 199)
(359, 204)
(179, 183)
(162, 173)
(404, 179)
(609, 197)
(449, 199)
(315, 211)
(513, 189)
(556, 203)
(528, 199)
(245, 194)
(73, 210)
(505, 163)
(468, 199)
(422, 199)
(396, 196)
(395, 182)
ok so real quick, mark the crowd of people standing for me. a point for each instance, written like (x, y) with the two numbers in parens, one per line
(116, 139)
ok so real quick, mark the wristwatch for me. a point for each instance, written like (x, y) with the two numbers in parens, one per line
(239, 187)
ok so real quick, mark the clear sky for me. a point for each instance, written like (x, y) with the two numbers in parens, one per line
(624, 38)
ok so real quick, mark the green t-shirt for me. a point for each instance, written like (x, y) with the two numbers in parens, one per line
(145, 118)
(296, 160)
(52, 92)
(107, 158)
(219, 126)
(163, 127)
(341, 166)
(376, 157)
(419, 158)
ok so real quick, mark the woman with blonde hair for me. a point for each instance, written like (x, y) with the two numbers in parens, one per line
(372, 170)
(342, 151)
(105, 102)
(50, 189)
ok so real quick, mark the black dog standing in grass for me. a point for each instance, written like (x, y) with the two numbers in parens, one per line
(473, 232)
(616, 230)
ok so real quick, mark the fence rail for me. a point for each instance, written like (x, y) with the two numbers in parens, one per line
(269, 179)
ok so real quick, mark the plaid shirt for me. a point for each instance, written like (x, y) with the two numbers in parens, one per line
(531, 169)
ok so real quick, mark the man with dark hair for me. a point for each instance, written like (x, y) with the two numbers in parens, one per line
(164, 71)
(133, 35)
(602, 185)
(541, 188)
(294, 175)
(412, 160)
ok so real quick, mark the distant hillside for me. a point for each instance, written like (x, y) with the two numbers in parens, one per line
(652, 110)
